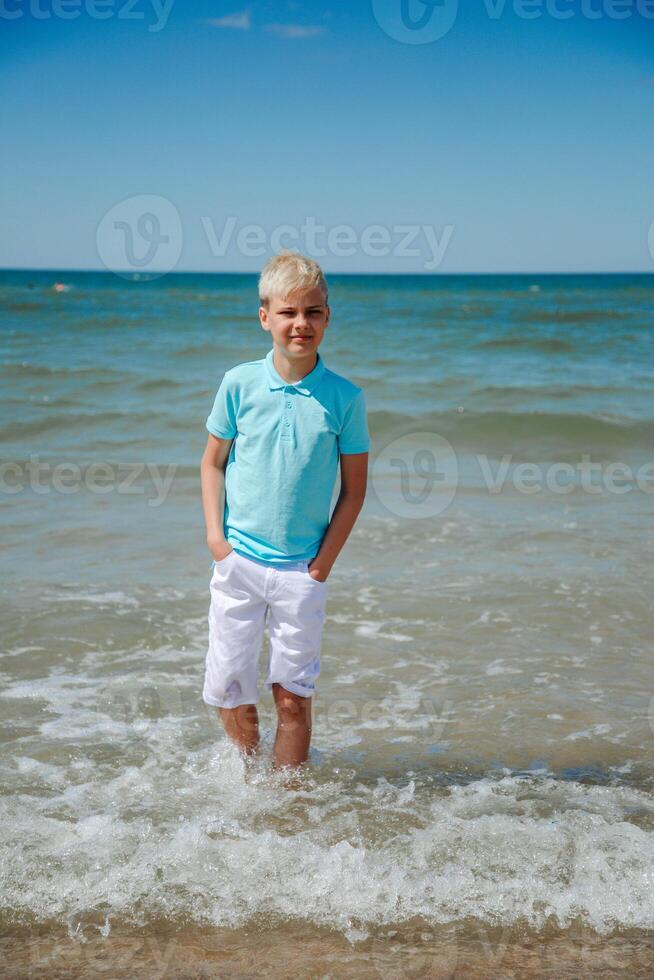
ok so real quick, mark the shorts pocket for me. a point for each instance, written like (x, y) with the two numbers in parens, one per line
(218, 563)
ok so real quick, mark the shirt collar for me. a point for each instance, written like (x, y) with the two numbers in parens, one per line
(305, 385)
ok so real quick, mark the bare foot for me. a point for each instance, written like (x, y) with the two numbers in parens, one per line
(294, 777)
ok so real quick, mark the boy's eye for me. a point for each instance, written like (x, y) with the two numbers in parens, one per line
(292, 312)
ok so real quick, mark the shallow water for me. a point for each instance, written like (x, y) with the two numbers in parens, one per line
(481, 767)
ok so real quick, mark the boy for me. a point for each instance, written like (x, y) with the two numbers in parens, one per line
(278, 429)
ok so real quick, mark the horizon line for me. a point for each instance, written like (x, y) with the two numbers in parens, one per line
(129, 275)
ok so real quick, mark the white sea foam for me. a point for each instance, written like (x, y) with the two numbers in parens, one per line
(498, 667)
(374, 629)
(593, 732)
(100, 598)
(201, 840)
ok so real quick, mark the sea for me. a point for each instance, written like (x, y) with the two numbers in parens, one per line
(479, 797)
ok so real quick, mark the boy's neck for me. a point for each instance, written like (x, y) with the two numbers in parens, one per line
(296, 369)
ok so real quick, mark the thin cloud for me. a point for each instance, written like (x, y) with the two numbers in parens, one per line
(241, 21)
(294, 30)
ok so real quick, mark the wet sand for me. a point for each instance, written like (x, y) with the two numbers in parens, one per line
(469, 950)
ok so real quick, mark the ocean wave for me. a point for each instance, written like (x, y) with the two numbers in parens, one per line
(496, 850)
(546, 391)
(507, 428)
(572, 316)
(23, 307)
(27, 369)
(548, 345)
(464, 429)
(194, 350)
(47, 424)
(158, 384)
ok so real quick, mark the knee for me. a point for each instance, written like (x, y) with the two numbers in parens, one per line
(291, 707)
(243, 719)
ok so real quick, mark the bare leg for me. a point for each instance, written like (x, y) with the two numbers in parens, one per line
(293, 729)
(242, 726)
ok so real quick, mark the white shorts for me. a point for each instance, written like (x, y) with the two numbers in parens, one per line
(245, 594)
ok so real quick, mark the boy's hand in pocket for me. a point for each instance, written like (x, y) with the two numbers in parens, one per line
(319, 571)
(219, 549)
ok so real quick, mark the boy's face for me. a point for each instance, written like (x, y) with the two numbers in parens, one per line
(298, 322)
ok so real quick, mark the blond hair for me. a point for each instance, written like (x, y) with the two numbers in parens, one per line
(287, 272)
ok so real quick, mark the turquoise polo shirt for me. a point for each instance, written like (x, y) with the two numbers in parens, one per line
(283, 462)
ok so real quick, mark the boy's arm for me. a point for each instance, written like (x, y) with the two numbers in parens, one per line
(212, 478)
(354, 478)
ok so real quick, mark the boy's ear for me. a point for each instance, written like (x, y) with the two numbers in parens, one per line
(263, 317)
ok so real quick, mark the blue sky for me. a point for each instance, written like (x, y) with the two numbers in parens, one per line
(506, 145)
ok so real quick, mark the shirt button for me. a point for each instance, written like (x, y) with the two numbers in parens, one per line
(286, 422)
(289, 404)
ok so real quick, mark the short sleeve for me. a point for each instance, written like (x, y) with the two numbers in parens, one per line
(354, 437)
(221, 421)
